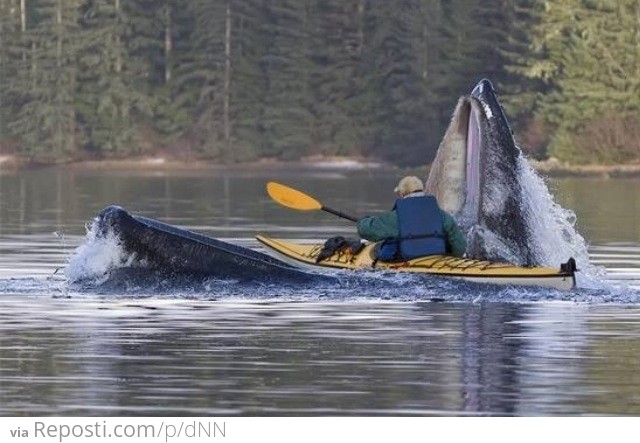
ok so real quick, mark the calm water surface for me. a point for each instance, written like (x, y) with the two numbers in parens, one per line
(219, 350)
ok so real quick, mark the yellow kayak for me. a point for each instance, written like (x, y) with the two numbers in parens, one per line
(304, 256)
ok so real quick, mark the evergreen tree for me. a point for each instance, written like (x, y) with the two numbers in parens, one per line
(175, 98)
(587, 55)
(4, 72)
(248, 84)
(285, 123)
(46, 115)
(434, 65)
(201, 74)
(522, 55)
(393, 73)
(110, 102)
(241, 79)
(150, 63)
(336, 85)
(13, 64)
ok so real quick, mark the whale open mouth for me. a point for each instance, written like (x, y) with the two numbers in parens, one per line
(473, 151)
(477, 176)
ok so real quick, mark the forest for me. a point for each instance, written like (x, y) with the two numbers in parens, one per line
(239, 80)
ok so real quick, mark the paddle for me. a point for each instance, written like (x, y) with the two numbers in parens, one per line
(294, 199)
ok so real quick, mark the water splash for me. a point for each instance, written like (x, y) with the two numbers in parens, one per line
(553, 226)
(101, 253)
(554, 229)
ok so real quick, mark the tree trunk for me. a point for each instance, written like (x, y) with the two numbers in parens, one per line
(360, 26)
(227, 78)
(65, 129)
(59, 33)
(430, 36)
(118, 66)
(2, 14)
(637, 44)
(2, 73)
(168, 44)
(12, 11)
(23, 27)
(23, 16)
(59, 126)
(424, 57)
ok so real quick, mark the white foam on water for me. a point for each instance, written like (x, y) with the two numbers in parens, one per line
(97, 256)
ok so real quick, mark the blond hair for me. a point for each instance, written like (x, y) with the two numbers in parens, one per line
(409, 185)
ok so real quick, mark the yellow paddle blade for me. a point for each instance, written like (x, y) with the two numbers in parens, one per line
(292, 198)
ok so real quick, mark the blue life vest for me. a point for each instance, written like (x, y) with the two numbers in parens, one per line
(421, 230)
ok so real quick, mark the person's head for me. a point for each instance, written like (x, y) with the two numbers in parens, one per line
(409, 185)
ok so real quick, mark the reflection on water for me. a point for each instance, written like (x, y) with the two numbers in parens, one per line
(224, 203)
(233, 203)
(182, 358)
(608, 210)
(207, 353)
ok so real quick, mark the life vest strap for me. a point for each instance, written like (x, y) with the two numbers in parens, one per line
(415, 237)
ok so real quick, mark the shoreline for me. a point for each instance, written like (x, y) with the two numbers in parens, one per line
(550, 168)
(173, 164)
(554, 169)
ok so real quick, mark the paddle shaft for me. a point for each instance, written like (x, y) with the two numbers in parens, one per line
(339, 214)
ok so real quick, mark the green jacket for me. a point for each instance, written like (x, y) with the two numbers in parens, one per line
(383, 226)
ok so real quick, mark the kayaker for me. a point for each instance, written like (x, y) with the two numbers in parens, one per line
(416, 226)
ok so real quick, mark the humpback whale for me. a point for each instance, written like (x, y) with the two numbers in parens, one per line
(176, 251)
(480, 176)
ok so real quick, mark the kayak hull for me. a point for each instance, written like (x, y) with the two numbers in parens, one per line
(477, 271)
